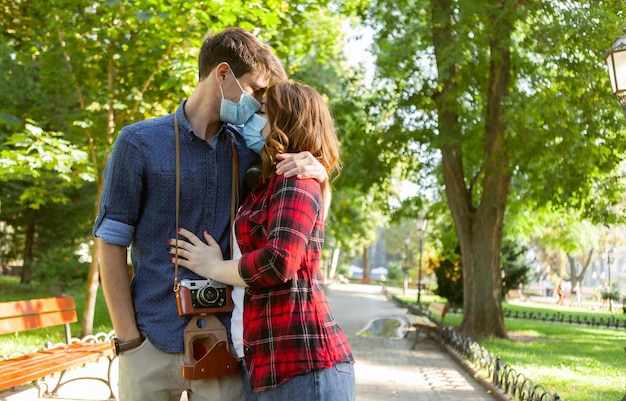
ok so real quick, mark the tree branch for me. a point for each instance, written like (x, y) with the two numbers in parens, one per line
(146, 84)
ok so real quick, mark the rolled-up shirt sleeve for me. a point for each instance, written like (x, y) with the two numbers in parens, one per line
(114, 232)
(119, 206)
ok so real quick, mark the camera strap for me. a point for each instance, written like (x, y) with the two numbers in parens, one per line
(234, 196)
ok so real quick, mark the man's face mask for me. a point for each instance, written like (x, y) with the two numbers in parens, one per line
(252, 132)
(238, 113)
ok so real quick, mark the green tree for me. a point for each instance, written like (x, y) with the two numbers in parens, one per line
(360, 195)
(564, 240)
(449, 273)
(514, 96)
(515, 267)
(99, 65)
(38, 166)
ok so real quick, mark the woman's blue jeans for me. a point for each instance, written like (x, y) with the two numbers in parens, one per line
(333, 384)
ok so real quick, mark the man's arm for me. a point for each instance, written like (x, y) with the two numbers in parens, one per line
(304, 165)
(116, 288)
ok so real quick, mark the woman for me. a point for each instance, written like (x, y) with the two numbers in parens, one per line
(294, 349)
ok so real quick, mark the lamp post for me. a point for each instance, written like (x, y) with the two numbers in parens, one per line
(421, 227)
(609, 259)
(616, 62)
(405, 269)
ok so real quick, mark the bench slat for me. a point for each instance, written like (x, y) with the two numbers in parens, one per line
(35, 306)
(30, 367)
(43, 357)
(36, 314)
(438, 309)
(24, 323)
(421, 321)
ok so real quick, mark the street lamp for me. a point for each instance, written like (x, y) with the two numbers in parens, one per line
(616, 61)
(422, 231)
(609, 259)
(405, 269)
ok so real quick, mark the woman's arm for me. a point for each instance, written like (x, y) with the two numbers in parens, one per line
(293, 215)
(205, 259)
(304, 165)
(294, 228)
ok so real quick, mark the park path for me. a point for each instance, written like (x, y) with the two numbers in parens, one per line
(387, 368)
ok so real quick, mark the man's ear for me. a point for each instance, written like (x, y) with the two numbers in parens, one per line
(221, 72)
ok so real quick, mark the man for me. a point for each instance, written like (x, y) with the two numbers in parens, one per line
(137, 208)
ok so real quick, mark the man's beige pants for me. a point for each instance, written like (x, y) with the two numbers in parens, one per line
(149, 374)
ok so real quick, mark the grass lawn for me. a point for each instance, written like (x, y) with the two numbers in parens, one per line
(578, 362)
(11, 290)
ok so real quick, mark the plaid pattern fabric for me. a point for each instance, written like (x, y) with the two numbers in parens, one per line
(288, 326)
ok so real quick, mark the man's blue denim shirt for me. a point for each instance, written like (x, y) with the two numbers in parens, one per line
(137, 209)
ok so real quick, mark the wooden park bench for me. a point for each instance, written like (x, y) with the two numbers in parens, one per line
(427, 321)
(20, 316)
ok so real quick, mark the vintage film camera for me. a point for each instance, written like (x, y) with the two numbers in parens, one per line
(206, 341)
(196, 297)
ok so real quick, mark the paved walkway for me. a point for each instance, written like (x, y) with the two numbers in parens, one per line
(388, 369)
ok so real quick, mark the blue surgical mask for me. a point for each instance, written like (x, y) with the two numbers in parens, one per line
(238, 113)
(252, 132)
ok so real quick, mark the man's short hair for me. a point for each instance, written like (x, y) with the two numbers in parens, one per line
(242, 51)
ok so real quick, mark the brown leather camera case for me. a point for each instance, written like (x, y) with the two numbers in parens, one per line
(205, 336)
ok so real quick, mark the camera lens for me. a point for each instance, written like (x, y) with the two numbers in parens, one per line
(208, 296)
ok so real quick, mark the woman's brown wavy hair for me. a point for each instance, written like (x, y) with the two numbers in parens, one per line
(299, 121)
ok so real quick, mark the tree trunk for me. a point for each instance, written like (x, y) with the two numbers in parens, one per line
(334, 261)
(585, 263)
(482, 291)
(478, 227)
(29, 241)
(93, 279)
(366, 264)
(4, 268)
(93, 282)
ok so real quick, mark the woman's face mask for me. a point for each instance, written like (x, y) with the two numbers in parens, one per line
(252, 132)
(238, 113)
